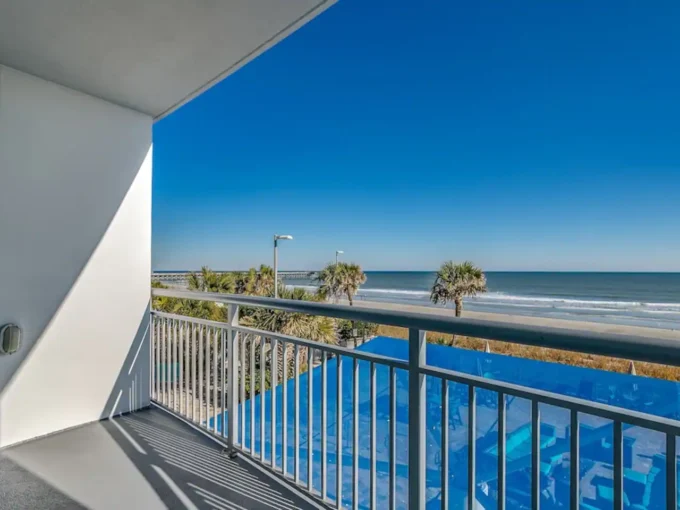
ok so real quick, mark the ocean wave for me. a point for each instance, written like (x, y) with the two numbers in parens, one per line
(665, 305)
(308, 288)
(511, 300)
(498, 298)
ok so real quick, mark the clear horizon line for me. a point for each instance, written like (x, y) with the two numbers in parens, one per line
(435, 270)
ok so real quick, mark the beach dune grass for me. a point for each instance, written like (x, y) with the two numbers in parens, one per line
(544, 354)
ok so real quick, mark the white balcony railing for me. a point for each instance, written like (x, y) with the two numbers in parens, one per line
(386, 431)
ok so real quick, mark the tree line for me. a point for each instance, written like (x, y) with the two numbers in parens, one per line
(336, 281)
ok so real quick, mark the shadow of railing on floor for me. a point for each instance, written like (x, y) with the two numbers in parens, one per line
(215, 479)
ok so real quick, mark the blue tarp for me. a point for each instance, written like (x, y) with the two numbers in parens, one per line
(644, 480)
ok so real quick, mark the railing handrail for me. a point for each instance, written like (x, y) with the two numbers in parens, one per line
(638, 348)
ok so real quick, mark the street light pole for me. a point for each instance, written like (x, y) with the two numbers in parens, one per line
(276, 268)
(337, 252)
(276, 261)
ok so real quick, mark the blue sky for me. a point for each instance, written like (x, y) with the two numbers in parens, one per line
(523, 136)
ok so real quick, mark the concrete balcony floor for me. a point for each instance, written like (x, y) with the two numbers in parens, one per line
(147, 460)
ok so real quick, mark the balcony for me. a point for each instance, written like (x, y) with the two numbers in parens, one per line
(542, 435)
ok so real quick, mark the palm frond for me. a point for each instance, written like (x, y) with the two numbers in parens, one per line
(340, 280)
(456, 281)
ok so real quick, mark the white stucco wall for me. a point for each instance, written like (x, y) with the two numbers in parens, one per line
(75, 256)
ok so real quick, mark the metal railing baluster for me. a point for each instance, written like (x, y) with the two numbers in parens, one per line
(154, 357)
(263, 382)
(338, 435)
(472, 441)
(501, 450)
(157, 367)
(310, 419)
(242, 378)
(252, 395)
(194, 350)
(671, 473)
(393, 439)
(215, 381)
(172, 380)
(272, 393)
(175, 366)
(373, 438)
(206, 373)
(187, 368)
(284, 411)
(535, 455)
(180, 366)
(618, 466)
(355, 435)
(574, 462)
(201, 331)
(168, 365)
(223, 394)
(161, 362)
(296, 424)
(164, 363)
(416, 418)
(324, 424)
(445, 445)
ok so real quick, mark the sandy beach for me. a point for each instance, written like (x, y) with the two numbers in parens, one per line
(533, 321)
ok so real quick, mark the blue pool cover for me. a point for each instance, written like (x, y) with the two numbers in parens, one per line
(644, 461)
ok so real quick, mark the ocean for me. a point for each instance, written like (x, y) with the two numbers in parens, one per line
(638, 299)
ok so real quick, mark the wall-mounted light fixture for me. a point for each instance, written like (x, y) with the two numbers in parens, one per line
(10, 339)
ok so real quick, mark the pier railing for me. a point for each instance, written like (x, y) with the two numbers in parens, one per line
(183, 276)
(355, 428)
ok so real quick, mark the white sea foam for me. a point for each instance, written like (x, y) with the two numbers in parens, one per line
(498, 296)
(582, 304)
(308, 288)
(665, 305)
(510, 300)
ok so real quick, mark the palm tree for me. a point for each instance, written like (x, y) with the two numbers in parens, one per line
(341, 279)
(245, 282)
(329, 282)
(456, 281)
(254, 282)
(210, 281)
(264, 285)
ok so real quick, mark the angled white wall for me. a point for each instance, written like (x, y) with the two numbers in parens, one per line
(75, 256)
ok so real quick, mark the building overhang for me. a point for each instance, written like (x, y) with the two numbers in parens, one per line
(152, 56)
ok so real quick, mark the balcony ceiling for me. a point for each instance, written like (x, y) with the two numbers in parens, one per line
(151, 55)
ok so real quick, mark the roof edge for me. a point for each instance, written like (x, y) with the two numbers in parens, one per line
(272, 41)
